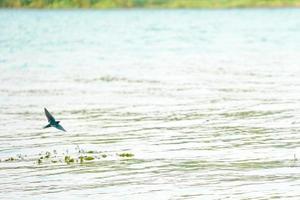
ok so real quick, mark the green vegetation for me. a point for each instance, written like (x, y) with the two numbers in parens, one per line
(68, 159)
(53, 157)
(103, 4)
(126, 155)
(88, 158)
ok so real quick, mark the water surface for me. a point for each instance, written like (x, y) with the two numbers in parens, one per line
(206, 100)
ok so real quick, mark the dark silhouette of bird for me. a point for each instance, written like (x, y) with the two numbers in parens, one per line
(52, 121)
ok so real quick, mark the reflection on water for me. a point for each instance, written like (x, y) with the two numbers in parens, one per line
(207, 101)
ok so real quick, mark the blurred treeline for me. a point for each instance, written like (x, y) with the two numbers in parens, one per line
(147, 3)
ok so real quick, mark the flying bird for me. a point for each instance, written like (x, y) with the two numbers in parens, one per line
(52, 121)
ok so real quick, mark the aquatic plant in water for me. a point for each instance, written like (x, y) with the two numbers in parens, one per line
(48, 157)
(127, 155)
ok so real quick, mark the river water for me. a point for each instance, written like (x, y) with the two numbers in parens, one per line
(207, 101)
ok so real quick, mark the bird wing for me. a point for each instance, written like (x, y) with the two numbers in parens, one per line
(49, 116)
(58, 126)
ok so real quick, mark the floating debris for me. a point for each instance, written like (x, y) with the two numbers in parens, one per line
(69, 160)
(48, 154)
(88, 158)
(81, 159)
(52, 156)
(10, 159)
(127, 155)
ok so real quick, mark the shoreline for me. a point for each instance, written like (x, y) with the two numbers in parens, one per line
(147, 4)
(154, 8)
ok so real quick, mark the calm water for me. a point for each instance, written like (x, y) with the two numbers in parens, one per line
(207, 101)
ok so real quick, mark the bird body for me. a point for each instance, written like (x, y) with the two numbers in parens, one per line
(52, 121)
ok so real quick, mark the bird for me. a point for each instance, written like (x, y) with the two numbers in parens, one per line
(52, 121)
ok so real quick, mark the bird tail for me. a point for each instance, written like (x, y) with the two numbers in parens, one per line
(47, 126)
